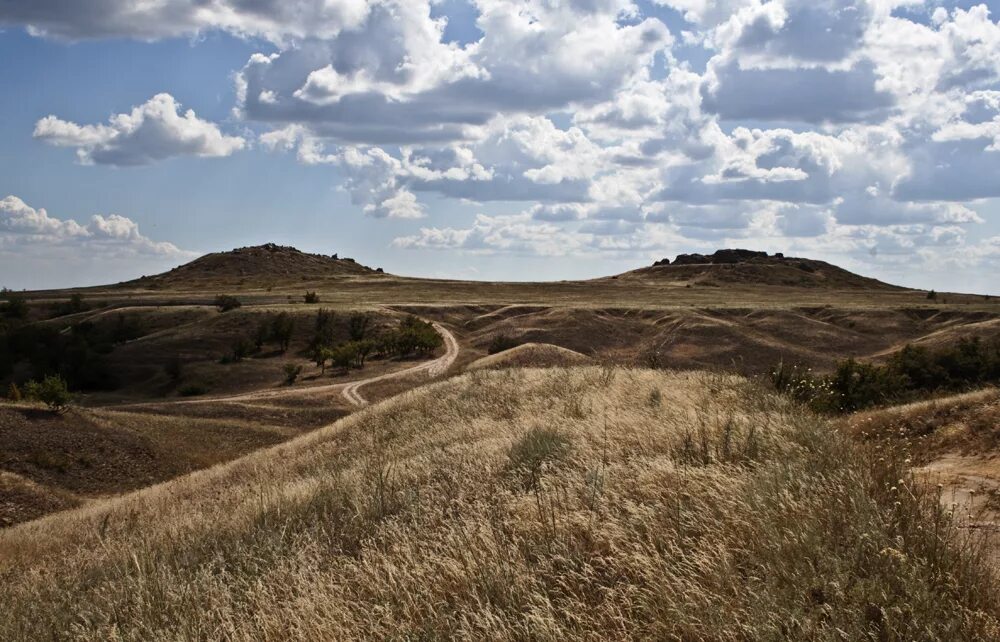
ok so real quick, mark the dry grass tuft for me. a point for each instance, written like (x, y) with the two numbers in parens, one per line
(722, 512)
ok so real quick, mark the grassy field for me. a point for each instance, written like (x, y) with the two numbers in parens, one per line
(591, 503)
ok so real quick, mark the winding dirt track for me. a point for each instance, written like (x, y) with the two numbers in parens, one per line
(433, 368)
(349, 389)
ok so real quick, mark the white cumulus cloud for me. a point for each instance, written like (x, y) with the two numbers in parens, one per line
(153, 131)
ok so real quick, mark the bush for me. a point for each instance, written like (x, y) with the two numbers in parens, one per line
(502, 341)
(912, 372)
(932, 295)
(192, 390)
(13, 392)
(226, 302)
(52, 391)
(535, 448)
(174, 369)
(242, 348)
(292, 372)
(16, 306)
(311, 297)
(74, 305)
(77, 355)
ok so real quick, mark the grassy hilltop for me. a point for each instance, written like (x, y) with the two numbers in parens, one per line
(591, 502)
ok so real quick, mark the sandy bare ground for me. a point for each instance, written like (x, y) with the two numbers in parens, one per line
(433, 368)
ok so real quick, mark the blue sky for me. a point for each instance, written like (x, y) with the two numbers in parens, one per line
(495, 139)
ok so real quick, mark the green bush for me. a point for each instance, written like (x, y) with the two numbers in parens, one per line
(52, 391)
(908, 374)
(292, 372)
(311, 297)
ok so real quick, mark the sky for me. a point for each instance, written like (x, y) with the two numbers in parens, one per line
(500, 139)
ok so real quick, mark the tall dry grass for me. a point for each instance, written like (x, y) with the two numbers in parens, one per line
(587, 503)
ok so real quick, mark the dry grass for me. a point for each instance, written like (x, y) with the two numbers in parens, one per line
(517, 504)
(531, 355)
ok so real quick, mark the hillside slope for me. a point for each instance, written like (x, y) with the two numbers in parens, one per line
(51, 461)
(260, 265)
(745, 267)
(587, 503)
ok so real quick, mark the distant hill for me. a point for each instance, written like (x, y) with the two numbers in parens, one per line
(257, 265)
(747, 267)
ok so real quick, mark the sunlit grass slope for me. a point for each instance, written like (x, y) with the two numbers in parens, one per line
(582, 503)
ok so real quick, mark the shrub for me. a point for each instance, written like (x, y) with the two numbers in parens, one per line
(226, 302)
(536, 447)
(242, 347)
(292, 372)
(16, 306)
(13, 392)
(74, 305)
(192, 390)
(126, 329)
(501, 341)
(174, 369)
(311, 297)
(912, 371)
(52, 391)
(932, 295)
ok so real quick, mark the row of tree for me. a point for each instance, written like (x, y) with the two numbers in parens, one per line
(413, 336)
(342, 343)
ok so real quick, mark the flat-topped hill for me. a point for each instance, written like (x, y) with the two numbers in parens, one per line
(736, 266)
(259, 265)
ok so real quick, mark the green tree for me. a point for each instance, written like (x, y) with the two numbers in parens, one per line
(343, 356)
(52, 391)
(320, 355)
(282, 328)
(358, 325)
(324, 329)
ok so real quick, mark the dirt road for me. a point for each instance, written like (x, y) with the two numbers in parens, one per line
(349, 389)
(433, 368)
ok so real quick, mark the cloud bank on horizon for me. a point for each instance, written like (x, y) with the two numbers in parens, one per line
(862, 129)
